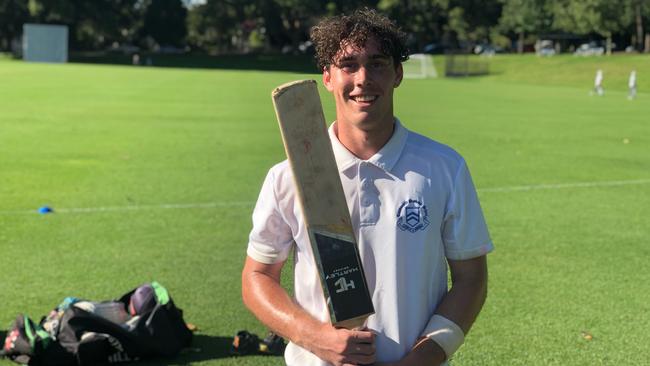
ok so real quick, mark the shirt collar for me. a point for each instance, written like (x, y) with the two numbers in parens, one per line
(385, 158)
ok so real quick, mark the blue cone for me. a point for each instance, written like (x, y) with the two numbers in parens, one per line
(45, 210)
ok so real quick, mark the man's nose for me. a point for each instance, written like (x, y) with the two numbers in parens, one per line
(362, 76)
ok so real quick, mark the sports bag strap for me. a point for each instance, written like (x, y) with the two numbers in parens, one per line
(40, 333)
(45, 336)
(161, 293)
(28, 332)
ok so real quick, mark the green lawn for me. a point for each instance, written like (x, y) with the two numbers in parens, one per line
(564, 70)
(569, 70)
(154, 173)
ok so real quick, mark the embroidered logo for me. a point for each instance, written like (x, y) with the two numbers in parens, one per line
(412, 216)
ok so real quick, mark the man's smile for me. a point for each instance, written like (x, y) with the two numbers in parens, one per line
(364, 99)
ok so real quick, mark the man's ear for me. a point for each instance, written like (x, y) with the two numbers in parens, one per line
(327, 78)
(399, 75)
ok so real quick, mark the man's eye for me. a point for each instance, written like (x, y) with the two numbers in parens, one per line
(378, 65)
(348, 67)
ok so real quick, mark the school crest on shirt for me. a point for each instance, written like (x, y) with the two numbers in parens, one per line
(412, 215)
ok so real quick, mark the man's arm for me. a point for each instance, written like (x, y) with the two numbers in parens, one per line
(270, 303)
(461, 305)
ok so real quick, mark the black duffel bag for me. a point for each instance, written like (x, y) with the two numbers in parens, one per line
(142, 324)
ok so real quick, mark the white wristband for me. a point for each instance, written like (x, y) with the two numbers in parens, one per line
(445, 333)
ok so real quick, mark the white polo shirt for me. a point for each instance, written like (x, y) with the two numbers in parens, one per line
(412, 205)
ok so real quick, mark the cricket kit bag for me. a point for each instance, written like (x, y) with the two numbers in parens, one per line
(142, 324)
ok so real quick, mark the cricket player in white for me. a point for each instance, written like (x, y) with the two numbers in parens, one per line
(631, 83)
(598, 83)
(413, 207)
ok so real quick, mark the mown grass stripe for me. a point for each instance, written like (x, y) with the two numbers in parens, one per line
(164, 206)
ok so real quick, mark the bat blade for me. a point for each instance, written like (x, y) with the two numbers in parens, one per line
(309, 151)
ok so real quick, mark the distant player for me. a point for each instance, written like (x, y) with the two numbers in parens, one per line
(598, 83)
(632, 85)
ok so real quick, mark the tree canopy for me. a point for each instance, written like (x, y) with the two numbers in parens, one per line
(240, 26)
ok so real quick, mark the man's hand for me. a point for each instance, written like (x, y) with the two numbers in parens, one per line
(342, 347)
(263, 295)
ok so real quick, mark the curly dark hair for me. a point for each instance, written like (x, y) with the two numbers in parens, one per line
(333, 34)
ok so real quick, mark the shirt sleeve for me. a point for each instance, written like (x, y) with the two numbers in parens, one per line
(270, 240)
(465, 232)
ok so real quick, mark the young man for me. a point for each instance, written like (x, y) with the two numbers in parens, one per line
(413, 207)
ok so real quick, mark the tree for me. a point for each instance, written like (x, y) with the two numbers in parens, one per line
(13, 14)
(297, 17)
(244, 25)
(454, 23)
(522, 17)
(165, 22)
(603, 17)
(640, 10)
(478, 16)
(211, 25)
(457, 25)
(92, 24)
(423, 19)
(225, 26)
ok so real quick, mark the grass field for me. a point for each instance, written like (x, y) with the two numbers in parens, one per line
(153, 173)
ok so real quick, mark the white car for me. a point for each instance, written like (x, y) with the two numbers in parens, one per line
(589, 49)
(545, 48)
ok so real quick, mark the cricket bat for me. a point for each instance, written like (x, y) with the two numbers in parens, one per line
(325, 212)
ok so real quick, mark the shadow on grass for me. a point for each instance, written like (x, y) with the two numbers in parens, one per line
(204, 348)
(289, 63)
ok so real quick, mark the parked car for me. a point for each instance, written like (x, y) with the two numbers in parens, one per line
(486, 49)
(589, 49)
(434, 48)
(545, 48)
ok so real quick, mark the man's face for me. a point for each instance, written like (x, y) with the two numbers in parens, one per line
(362, 80)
